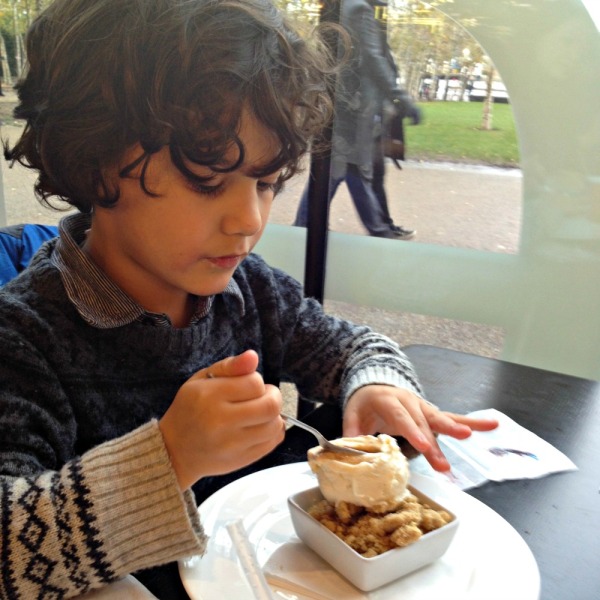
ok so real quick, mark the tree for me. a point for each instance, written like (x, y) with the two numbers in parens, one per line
(428, 47)
(427, 44)
(15, 18)
(6, 76)
(488, 103)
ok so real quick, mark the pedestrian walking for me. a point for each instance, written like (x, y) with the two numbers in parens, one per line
(363, 86)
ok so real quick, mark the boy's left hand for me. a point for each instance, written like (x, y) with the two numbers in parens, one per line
(396, 411)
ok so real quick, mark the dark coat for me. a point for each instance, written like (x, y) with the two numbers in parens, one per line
(364, 84)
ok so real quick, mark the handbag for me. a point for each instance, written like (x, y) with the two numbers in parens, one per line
(393, 138)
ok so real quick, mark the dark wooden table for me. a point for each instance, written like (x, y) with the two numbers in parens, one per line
(558, 516)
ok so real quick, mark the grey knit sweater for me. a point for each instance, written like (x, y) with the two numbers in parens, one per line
(87, 493)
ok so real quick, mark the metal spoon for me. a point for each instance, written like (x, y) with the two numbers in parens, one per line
(323, 441)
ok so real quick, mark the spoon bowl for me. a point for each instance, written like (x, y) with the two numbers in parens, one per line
(323, 441)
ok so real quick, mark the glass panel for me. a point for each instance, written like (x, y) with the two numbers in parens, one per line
(545, 297)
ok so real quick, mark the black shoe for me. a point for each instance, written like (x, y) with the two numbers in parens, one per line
(403, 234)
(395, 234)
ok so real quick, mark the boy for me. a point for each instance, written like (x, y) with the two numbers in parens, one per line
(141, 350)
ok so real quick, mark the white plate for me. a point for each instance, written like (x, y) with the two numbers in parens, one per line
(487, 560)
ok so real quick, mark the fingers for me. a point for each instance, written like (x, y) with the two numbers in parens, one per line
(435, 457)
(247, 446)
(261, 409)
(458, 426)
(232, 366)
(411, 422)
(454, 425)
(384, 409)
(475, 424)
(217, 426)
(396, 419)
(398, 412)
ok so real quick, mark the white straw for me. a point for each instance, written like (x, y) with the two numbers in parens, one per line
(249, 561)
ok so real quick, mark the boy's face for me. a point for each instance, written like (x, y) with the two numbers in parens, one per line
(187, 240)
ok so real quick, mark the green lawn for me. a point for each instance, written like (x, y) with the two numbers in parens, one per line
(451, 131)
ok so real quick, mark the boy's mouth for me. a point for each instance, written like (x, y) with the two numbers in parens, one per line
(227, 262)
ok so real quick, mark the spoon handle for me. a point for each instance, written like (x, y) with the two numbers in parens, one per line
(323, 441)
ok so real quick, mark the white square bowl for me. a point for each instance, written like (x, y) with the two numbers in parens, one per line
(368, 573)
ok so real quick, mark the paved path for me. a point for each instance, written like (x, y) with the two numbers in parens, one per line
(464, 206)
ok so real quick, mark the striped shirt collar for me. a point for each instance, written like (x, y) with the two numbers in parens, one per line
(99, 301)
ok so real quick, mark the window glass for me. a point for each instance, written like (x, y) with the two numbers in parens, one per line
(534, 277)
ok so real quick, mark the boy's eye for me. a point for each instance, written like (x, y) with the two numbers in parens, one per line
(212, 186)
(205, 189)
(266, 186)
(269, 186)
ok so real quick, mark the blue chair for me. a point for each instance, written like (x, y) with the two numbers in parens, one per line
(18, 243)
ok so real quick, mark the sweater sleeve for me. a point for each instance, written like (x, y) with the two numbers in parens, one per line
(115, 510)
(332, 367)
(329, 358)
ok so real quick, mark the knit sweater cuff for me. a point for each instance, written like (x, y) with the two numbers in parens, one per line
(378, 375)
(381, 375)
(144, 518)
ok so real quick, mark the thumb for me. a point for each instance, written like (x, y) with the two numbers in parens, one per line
(351, 423)
(232, 366)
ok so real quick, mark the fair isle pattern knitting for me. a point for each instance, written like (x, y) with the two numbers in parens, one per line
(36, 537)
(52, 527)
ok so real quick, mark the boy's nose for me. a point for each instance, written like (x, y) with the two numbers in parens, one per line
(244, 216)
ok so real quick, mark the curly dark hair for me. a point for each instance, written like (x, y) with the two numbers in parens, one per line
(105, 75)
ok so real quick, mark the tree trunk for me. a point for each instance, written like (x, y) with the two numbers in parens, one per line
(486, 122)
(4, 70)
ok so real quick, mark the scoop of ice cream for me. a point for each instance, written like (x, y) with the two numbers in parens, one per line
(376, 480)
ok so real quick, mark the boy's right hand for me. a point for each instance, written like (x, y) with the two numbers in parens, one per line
(222, 419)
